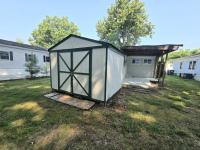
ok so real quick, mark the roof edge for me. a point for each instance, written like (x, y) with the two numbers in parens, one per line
(15, 44)
(84, 38)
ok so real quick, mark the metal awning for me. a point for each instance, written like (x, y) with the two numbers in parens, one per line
(150, 50)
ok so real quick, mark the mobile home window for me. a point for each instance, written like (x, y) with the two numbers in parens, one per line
(190, 65)
(136, 61)
(29, 57)
(181, 65)
(194, 65)
(46, 58)
(4, 55)
(147, 61)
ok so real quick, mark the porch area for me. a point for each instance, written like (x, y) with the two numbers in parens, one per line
(141, 82)
(147, 64)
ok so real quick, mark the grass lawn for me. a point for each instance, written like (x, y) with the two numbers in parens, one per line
(168, 118)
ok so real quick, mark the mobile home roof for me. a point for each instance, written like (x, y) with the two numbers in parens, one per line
(11, 43)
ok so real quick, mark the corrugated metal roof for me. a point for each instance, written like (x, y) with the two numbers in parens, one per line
(11, 43)
(150, 50)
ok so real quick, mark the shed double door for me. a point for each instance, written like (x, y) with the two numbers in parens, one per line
(74, 72)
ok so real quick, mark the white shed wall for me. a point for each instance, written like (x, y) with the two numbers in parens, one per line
(74, 42)
(15, 69)
(98, 73)
(140, 70)
(115, 72)
(54, 70)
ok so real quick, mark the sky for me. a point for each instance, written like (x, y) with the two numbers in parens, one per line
(176, 21)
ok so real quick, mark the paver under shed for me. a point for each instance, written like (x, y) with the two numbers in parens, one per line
(66, 99)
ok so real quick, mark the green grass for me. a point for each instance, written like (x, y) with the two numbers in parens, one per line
(167, 118)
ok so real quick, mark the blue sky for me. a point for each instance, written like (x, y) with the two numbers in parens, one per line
(176, 21)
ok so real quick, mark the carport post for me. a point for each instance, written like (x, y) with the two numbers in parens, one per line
(155, 66)
(164, 71)
(160, 67)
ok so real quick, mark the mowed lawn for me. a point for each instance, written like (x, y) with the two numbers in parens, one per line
(166, 118)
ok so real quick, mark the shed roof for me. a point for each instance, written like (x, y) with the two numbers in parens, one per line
(150, 50)
(87, 39)
(11, 43)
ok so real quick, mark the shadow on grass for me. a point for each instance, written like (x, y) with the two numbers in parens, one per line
(135, 121)
(26, 116)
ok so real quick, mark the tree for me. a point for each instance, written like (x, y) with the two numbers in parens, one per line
(51, 30)
(18, 40)
(183, 53)
(125, 24)
(31, 66)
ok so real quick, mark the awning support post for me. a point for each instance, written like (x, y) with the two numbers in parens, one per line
(155, 67)
(164, 70)
(160, 68)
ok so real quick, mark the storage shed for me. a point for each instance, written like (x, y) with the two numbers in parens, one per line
(86, 68)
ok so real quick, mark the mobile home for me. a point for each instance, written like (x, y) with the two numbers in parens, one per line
(185, 66)
(13, 57)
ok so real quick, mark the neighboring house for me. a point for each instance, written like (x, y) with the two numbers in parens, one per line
(96, 70)
(186, 66)
(13, 57)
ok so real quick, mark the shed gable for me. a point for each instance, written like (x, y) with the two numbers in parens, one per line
(75, 42)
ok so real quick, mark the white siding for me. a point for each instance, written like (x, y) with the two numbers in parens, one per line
(74, 42)
(185, 65)
(98, 73)
(197, 77)
(115, 72)
(140, 70)
(54, 71)
(15, 69)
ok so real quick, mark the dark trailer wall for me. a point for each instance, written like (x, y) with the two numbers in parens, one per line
(84, 67)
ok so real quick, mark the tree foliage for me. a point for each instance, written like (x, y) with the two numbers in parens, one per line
(51, 30)
(125, 24)
(18, 40)
(32, 67)
(183, 53)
